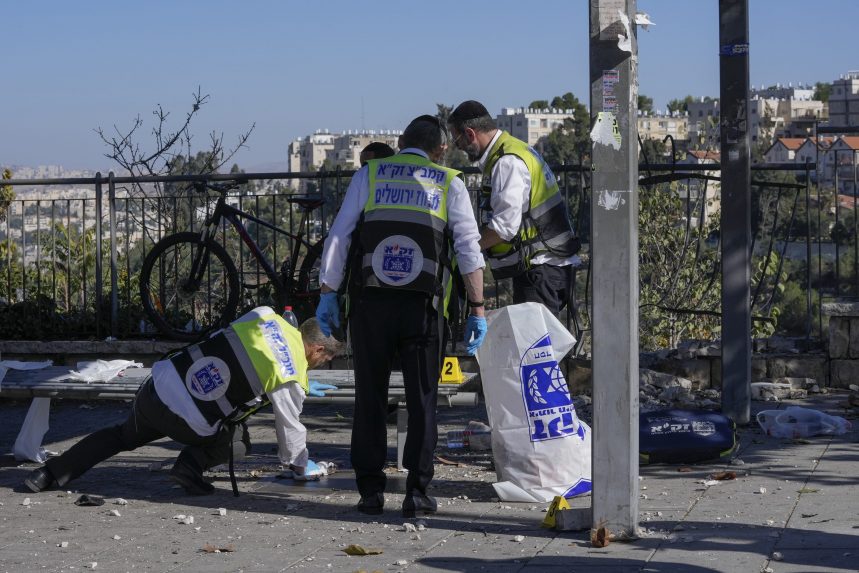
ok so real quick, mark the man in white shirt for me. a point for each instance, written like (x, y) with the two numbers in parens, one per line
(402, 216)
(529, 235)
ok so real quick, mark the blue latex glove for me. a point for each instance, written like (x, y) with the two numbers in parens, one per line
(328, 312)
(312, 472)
(475, 332)
(317, 389)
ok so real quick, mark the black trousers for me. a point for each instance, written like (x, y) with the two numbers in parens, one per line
(547, 284)
(148, 421)
(385, 323)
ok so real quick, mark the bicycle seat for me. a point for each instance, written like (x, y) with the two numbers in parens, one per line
(307, 202)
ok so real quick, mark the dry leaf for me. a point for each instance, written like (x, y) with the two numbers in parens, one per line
(808, 490)
(723, 476)
(447, 462)
(358, 550)
(600, 537)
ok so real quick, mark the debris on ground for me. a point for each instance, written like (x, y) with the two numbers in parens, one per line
(209, 548)
(600, 537)
(89, 501)
(723, 476)
(359, 550)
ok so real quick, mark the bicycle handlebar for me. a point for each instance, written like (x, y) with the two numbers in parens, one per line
(222, 189)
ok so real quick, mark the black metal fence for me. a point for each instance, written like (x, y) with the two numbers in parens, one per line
(69, 259)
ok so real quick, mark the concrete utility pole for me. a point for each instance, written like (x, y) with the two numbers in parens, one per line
(736, 209)
(614, 264)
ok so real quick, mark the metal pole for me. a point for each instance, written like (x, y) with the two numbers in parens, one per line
(99, 287)
(614, 262)
(809, 315)
(736, 209)
(114, 282)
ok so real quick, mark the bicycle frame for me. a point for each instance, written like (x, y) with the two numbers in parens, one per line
(235, 216)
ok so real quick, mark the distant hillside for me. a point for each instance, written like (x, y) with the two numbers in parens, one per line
(269, 167)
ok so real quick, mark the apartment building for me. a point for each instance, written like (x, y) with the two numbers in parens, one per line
(659, 125)
(704, 122)
(844, 101)
(532, 125)
(702, 193)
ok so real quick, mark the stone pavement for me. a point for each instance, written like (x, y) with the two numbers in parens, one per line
(794, 507)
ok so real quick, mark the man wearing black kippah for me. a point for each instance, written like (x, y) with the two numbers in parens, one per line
(529, 235)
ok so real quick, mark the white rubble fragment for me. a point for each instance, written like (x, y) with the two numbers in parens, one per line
(115, 513)
(519, 538)
(762, 490)
(402, 562)
(409, 527)
(116, 537)
(63, 544)
(777, 556)
(222, 511)
(92, 565)
(26, 501)
(120, 501)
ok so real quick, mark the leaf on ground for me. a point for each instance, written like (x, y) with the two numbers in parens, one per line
(447, 462)
(723, 476)
(808, 490)
(359, 550)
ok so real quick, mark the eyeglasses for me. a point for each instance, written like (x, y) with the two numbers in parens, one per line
(457, 137)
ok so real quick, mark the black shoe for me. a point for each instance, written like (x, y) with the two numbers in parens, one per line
(39, 479)
(190, 480)
(372, 504)
(416, 502)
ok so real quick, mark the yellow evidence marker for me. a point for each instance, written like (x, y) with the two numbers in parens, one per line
(560, 502)
(451, 372)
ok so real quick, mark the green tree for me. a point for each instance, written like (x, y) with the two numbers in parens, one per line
(645, 103)
(822, 91)
(568, 142)
(453, 157)
(6, 195)
(680, 104)
(539, 104)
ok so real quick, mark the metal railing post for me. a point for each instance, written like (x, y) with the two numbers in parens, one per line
(114, 283)
(98, 237)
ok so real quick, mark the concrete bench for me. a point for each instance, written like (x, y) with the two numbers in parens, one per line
(55, 382)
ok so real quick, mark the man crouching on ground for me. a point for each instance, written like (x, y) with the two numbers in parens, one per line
(198, 395)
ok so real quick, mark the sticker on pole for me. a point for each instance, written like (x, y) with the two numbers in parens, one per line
(397, 260)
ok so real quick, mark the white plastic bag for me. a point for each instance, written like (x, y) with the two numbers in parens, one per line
(28, 444)
(796, 422)
(540, 447)
(101, 370)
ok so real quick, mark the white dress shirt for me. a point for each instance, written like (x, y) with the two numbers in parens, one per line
(460, 219)
(511, 195)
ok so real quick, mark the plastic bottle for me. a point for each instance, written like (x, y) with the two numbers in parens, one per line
(289, 316)
(462, 438)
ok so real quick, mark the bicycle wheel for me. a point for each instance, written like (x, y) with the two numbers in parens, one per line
(179, 306)
(305, 299)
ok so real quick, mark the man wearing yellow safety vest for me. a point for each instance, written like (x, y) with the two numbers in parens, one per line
(407, 217)
(529, 235)
(194, 394)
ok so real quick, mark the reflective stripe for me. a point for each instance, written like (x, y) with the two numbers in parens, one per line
(244, 360)
(546, 205)
(406, 216)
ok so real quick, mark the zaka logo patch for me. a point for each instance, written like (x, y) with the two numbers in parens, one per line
(547, 399)
(397, 260)
(208, 378)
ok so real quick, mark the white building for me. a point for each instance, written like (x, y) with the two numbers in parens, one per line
(532, 125)
(659, 125)
(844, 101)
(704, 122)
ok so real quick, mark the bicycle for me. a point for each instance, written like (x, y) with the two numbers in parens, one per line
(189, 284)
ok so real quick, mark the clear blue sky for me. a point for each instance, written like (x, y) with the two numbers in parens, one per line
(294, 67)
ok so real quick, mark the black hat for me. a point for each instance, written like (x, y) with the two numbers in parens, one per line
(469, 109)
